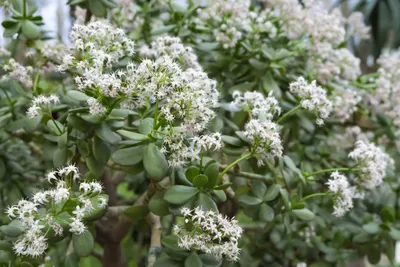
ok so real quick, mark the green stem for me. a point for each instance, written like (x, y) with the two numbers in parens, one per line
(35, 82)
(11, 103)
(313, 195)
(58, 128)
(230, 166)
(328, 170)
(290, 112)
(155, 116)
(24, 9)
(253, 176)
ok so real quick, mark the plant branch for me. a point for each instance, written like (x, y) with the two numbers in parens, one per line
(155, 244)
(290, 112)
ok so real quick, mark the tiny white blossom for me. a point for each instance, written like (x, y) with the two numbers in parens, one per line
(343, 193)
(372, 163)
(77, 226)
(313, 98)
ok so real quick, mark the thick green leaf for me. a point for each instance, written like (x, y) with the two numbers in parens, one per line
(63, 140)
(249, 201)
(133, 135)
(14, 229)
(272, 192)
(192, 172)
(78, 96)
(180, 194)
(304, 214)
(94, 166)
(167, 262)
(155, 163)
(60, 157)
(266, 213)
(106, 134)
(158, 205)
(83, 244)
(193, 260)
(212, 172)
(128, 156)
(220, 195)
(285, 196)
(101, 151)
(146, 126)
(55, 127)
(29, 29)
(394, 233)
(137, 212)
(206, 203)
(200, 180)
(97, 8)
(234, 141)
(371, 228)
(258, 189)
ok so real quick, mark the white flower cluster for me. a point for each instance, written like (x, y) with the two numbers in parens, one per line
(345, 103)
(230, 16)
(233, 20)
(37, 224)
(357, 27)
(100, 44)
(173, 47)
(372, 163)
(42, 103)
(261, 131)
(386, 98)
(95, 107)
(210, 233)
(313, 98)
(329, 63)
(257, 104)
(323, 32)
(199, 143)
(126, 15)
(19, 72)
(265, 139)
(343, 193)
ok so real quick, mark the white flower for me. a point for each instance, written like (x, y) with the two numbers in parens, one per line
(357, 26)
(60, 194)
(372, 163)
(173, 47)
(343, 193)
(313, 98)
(76, 226)
(95, 107)
(102, 201)
(51, 175)
(257, 104)
(96, 187)
(40, 197)
(85, 187)
(79, 212)
(58, 229)
(264, 138)
(345, 103)
(210, 233)
(40, 103)
(20, 73)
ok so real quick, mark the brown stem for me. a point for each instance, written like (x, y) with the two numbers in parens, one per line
(155, 244)
(118, 177)
(112, 255)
